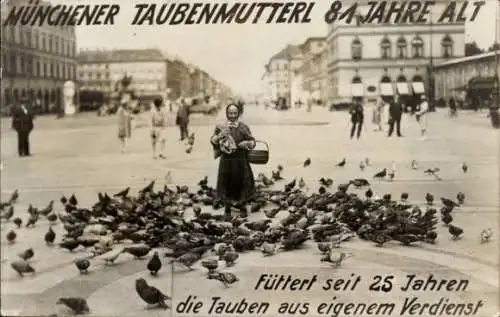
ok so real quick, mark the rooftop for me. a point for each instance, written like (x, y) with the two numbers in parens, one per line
(110, 56)
(468, 59)
(287, 52)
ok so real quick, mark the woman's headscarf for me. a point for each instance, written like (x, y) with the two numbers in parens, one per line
(235, 123)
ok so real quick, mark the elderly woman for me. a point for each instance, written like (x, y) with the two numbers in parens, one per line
(231, 142)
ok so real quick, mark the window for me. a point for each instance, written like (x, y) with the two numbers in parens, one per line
(447, 46)
(29, 66)
(356, 49)
(52, 70)
(51, 47)
(22, 66)
(36, 41)
(401, 47)
(385, 48)
(45, 69)
(37, 68)
(417, 46)
(44, 42)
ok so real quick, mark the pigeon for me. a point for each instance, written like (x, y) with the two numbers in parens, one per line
(334, 257)
(369, 193)
(14, 197)
(225, 278)
(465, 168)
(187, 260)
(18, 222)
(381, 174)
(307, 162)
(154, 265)
(50, 236)
(341, 163)
(148, 188)
(111, 256)
(72, 200)
(230, 257)
(9, 213)
(455, 231)
(138, 251)
(268, 248)
(486, 234)
(327, 182)
(70, 244)
(27, 254)
(47, 210)
(461, 198)
(11, 236)
(76, 304)
(123, 193)
(150, 294)
(449, 203)
(210, 264)
(414, 165)
(429, 198)
(82, 265)
(362, 165)
(22, 267)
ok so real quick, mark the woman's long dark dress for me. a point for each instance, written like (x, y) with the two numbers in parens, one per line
(235, 181)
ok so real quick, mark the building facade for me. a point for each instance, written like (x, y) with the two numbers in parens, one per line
(280, 72)
(101, 70)
(36, 62)
(454, 76)
(312, 70)
(385, 59)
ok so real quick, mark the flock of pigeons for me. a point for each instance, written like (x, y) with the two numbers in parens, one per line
(123, 223)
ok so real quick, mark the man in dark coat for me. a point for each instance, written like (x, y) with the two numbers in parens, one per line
(357, 118)
(395, 114)
(22, 122)
(182, 119)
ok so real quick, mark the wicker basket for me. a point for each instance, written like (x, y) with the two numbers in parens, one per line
(259, 157)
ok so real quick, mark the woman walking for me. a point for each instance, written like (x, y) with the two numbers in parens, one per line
(124, 125)
(235, 180)
(158, 127)
(377, 114)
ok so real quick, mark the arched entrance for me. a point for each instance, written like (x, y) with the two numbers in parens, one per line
(357, 88)
(386, 88)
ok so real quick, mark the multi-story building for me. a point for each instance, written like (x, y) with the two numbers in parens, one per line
(36, 62)
(454, 77)
(177, 78)
(102, 70)
(382, 59)
(312, 70)
(281, 70)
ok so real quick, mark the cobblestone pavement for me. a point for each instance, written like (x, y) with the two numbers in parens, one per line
(71, 156)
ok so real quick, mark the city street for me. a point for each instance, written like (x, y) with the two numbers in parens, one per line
(81, 155)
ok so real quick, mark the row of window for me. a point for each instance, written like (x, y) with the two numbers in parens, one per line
(34, 39)
(417, 48)
(29, 65)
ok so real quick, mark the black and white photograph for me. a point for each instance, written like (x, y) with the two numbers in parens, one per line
(253, 158)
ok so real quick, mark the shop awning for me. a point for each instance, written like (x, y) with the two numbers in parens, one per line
(357, 90)
(418, 87)
(403, 88)
(386, 89)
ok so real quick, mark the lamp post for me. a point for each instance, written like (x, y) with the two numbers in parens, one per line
(430, 69)
(290, 74)
(496, 49)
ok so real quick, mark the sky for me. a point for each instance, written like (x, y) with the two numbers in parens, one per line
(233, 54)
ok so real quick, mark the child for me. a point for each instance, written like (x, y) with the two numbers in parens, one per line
(421, 117)
(124, 125)
(377, 114)
(158, 126)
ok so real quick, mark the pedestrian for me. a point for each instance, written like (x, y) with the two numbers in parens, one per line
(453, 107)
(377, 114)
(395, 114)
(22, 123)
(231, 143)
(182, 118)
(124, 125)
(357, 118)
(421, 117)
(158, 126)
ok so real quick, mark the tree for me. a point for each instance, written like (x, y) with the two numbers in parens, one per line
(494, 47)
(472, 49)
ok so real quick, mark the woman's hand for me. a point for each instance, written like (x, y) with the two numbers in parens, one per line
(245, 145)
